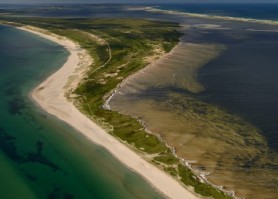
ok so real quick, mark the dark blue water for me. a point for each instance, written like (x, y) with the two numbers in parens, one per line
(244, 80)
(255, 11)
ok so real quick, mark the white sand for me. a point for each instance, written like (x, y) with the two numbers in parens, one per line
(50, 96)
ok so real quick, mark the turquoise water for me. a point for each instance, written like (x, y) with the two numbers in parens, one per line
(41, 157)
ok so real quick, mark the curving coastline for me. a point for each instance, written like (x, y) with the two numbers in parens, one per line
(50, 95)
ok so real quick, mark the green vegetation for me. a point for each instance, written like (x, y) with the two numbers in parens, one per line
(133, 43)
(202, 188)
(168, 159)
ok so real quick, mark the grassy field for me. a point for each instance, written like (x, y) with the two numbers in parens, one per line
(119, 48)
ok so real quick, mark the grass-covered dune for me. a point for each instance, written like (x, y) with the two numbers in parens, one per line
(119, 48)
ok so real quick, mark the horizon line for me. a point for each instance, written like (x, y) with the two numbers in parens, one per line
(134, 3)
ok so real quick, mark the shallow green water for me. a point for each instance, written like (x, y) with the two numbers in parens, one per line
(41, 157)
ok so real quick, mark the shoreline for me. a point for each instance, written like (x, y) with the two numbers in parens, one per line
(50, 96)
(110, 95)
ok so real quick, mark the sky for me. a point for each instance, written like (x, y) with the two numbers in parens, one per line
(137, 1)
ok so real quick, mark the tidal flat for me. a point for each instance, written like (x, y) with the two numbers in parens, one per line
(172, 98)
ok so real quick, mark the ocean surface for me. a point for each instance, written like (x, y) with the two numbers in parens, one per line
(40, 156)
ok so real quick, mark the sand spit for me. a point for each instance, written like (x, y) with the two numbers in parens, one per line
(50, 95)
(207, 16)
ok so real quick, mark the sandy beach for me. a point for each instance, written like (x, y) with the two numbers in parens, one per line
(50, 95)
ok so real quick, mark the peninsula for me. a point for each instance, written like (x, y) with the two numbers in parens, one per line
(103, 53)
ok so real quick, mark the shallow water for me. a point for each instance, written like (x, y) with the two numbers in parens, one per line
(198, 98)
(41, 157)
